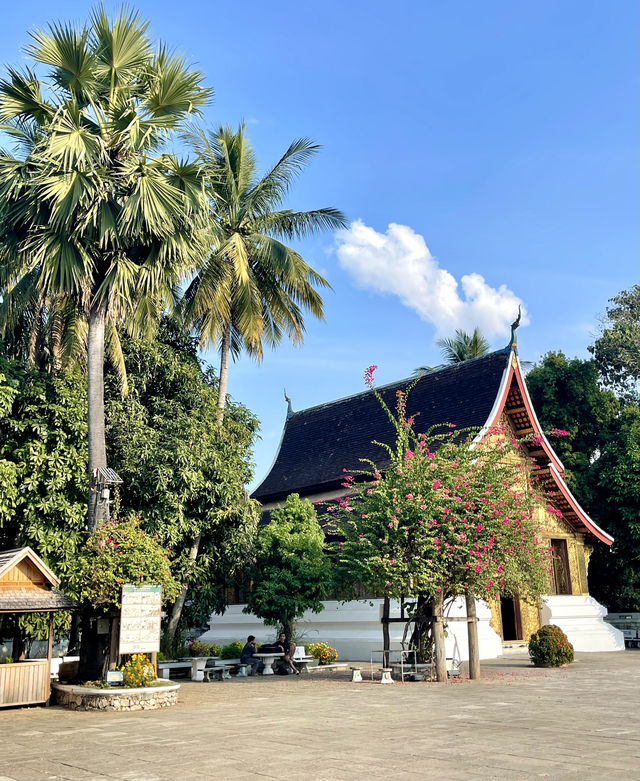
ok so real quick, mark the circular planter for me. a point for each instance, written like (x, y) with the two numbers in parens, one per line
(143, 698)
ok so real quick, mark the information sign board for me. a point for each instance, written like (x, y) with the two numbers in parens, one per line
(140, 619)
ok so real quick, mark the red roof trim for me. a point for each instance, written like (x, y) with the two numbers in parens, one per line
(514, 371)
(590, 525)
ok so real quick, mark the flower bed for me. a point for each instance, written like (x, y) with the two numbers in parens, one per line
(143, 698)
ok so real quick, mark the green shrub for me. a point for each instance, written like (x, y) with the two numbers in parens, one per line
(196, 648)
(321, 651)
(216, 650)
(6, 660)
(549, 647)
(233, 650)
(161, 657)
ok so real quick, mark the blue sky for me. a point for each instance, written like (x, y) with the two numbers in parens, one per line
(499, 138)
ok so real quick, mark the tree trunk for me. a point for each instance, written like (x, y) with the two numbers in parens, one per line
(386, 644)
(224, 372)
(440, 656)
(472, 634)
(176, 610)
(93, 647)
(98, 509)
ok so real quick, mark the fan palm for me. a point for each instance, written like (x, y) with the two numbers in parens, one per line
(252, 288)
(98, 223)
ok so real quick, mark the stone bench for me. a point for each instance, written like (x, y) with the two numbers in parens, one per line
(331, 667)
(221, 672)
(164, 668)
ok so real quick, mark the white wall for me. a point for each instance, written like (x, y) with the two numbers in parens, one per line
(353, 628)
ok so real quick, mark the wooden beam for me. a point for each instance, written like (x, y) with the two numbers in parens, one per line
(509, 410)
(524, 431)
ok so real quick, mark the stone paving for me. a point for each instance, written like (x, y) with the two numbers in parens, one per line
(582, 722)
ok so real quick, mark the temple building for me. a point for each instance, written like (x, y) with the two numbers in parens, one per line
(319, 443)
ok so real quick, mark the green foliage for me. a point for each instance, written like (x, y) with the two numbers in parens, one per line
(196, 648)
(118, 553)
(43, 457)
(443, 520)
(232, 650)
(138, 671)
(549, 647)
(180, 470)
(6, 660)
(617, 349)
(292, 572)
(322, 651)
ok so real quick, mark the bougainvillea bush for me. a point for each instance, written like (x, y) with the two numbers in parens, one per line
(550, 647)
(449, 515)
(119, 553)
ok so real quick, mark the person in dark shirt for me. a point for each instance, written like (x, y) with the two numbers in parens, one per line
(247, 655)
(288, 649)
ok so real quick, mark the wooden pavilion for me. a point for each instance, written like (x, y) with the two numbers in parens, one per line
(27, 585)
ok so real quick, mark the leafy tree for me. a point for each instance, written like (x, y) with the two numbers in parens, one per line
(617, 350)
(183, 473)
(443, 520)
(292, 571)
(252, 288)
(97, 221)
(43, 451)
(43, 481)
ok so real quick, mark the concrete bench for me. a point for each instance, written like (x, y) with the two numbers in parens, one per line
(164, 668)
(221, 672)
(331, 667)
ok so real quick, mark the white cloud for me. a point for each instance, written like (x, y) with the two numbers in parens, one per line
(399, 262)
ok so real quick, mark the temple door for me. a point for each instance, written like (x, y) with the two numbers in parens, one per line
(561, 577)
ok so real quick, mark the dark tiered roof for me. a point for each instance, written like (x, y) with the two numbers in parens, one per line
(320, 442)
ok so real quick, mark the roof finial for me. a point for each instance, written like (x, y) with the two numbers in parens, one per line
(289, 407)
(513, 342)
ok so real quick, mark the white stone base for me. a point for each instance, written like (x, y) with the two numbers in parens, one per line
(353, 629)
(581, 619)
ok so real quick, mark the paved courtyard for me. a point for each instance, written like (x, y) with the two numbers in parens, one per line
(582, 722)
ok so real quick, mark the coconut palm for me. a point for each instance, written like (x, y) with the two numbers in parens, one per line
(252, 288)
(463, 346)
(98, 223)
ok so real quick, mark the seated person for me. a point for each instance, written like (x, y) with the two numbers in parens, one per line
(247, 655)
(288, 649)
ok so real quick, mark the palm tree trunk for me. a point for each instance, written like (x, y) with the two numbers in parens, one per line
(98, 510)
(224, 372)
(176, 610)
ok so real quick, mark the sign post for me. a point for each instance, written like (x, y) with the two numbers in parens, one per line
(140, 620)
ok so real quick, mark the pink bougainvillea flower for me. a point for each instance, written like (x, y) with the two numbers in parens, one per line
(368, 375)
(559, 432)
(436, 484)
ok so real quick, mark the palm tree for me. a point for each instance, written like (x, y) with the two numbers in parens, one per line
(463, 346)
(98, 223)
(252, 288)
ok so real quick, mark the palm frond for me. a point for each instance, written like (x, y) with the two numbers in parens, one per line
(297, 225)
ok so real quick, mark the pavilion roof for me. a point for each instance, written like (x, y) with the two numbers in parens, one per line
(320, 442)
